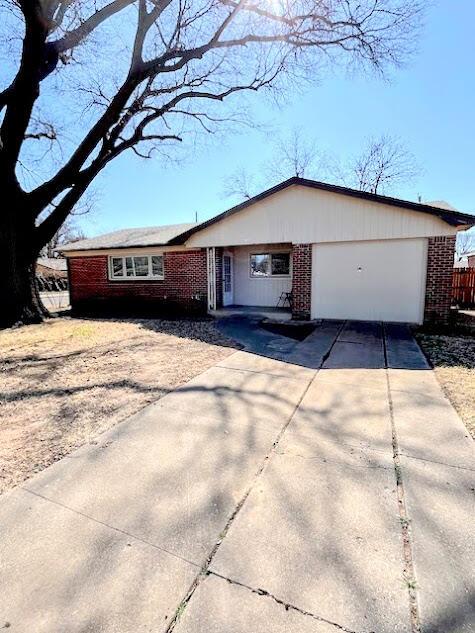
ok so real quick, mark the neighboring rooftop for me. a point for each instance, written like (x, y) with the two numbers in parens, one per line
(130, 238)
(441, 204)
(55, 263)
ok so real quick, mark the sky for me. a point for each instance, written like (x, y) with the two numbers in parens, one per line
(429, 105)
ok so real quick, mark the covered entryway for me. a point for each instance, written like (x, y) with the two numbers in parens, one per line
(370, 280)
(262, 273)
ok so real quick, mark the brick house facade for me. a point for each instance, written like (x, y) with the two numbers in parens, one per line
(184, 283)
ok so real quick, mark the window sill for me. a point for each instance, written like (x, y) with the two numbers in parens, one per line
(136, 278)
(270, 277)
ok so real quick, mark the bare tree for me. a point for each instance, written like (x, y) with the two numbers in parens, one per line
(240, 184)
(384, 164)
(118, 75)
(67, 232)
(296, 154)
(465, 243)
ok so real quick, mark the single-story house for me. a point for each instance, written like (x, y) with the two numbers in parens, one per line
(336, 253)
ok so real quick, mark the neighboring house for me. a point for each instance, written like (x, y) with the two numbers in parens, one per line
(466, 261)
(341, 253)
(52, 273)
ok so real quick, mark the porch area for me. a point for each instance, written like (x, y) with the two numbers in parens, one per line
(258, 280)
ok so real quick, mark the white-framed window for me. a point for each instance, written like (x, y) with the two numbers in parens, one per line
(263, 265)
(136, 267)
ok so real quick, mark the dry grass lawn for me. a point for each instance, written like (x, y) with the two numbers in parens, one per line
(67, 380)
(453, 358)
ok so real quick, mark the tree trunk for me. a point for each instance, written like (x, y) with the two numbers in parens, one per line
(20, 297)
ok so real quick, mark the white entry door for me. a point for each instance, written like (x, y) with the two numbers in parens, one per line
(228, 291)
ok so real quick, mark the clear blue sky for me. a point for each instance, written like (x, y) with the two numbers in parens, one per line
(429, 105)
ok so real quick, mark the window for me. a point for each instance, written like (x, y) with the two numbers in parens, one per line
(136, 267)
(270, 265)
(260, 265)
(157, 265)
(280, 264)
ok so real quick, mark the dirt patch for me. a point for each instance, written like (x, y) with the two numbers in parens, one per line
(453, 358)
(67, 380)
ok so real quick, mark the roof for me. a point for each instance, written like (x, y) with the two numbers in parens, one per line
(130, 238)
(177, 234)
(452, 217)
(55, 263)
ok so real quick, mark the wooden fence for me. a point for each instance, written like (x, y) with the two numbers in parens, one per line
(463, 285)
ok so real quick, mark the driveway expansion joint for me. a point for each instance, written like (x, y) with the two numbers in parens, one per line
(261, 373)
(110, 527)
(433, 461)
(331, 461)
(287, 605)
(405, 521)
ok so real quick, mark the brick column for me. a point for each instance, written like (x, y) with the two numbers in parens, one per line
(301, 281)
(440, 265)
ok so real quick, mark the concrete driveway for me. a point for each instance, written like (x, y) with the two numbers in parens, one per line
(323, 486)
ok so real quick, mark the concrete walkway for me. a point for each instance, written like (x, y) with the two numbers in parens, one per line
(329, 489)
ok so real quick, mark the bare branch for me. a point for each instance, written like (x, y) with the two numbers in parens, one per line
(384, 163)
(294, 155)
(75, 37)
(240, 184)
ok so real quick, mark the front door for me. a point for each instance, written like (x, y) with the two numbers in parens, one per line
(228, 294)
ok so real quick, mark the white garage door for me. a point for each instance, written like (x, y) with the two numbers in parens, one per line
(375, 281)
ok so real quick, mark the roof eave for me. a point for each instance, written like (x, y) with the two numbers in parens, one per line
(65, 251)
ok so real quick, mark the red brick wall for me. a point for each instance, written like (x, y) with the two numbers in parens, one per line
(184, 276)
(301, 281)
(440, 264)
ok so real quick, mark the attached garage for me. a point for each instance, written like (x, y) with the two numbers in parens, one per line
(376, 281)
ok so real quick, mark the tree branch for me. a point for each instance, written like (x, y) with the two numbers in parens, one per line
(73, 38)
